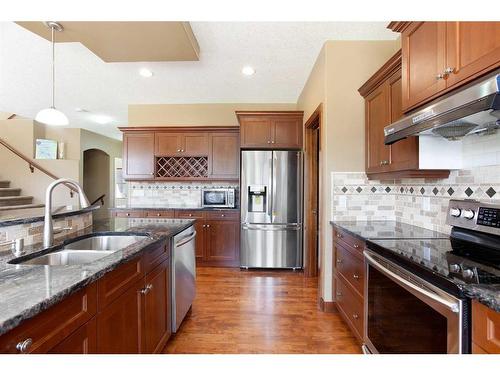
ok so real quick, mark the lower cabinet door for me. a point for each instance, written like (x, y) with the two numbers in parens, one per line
(120, 324)
(82, 341)
(157, 303)
(222, 242)
(199, 227)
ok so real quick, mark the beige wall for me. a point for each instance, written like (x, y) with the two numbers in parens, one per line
(22, 133)
(213, 114)
(96, 178)
(342, 67)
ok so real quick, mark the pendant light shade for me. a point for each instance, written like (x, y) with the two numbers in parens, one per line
(51, 116)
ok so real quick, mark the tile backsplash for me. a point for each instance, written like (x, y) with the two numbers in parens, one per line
(421, 202)
(170, 194)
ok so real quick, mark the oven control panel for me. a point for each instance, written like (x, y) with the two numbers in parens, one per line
(474, 215)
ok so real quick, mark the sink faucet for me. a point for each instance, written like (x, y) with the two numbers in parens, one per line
(48, 229)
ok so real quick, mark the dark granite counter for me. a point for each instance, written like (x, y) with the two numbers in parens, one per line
(26, 290)
(134, 208)
(382, 229)
(26, 216)
(488, 295)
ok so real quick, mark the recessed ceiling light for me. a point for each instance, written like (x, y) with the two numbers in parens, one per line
(145, 72)
(248, 70)
(101, 119)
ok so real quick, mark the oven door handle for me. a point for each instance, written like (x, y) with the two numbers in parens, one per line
(453, 307)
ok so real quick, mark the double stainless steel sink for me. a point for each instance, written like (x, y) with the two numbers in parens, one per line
(83, 251)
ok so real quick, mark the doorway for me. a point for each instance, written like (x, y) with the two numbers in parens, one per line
(96, 178)
(311, 198)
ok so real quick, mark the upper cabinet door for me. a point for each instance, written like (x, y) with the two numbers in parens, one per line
(287, 132)
(138, 156)
(423, 64)
(404, 153)
(377, 117)
(256, 132)
(168, 144)
(195, 144)
(473, 48)
(225, 153)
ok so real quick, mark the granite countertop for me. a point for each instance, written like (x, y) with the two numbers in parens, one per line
(488, 295)
(386, 229)
(26, 216)
(140, 208)
(426, 247)
(26, 290)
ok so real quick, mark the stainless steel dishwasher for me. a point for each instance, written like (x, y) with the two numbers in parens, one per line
(183, 275)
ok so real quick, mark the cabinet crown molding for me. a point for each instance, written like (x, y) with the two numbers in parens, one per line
(398, 26)
(183, 129)
(391, 66)
(269, 113)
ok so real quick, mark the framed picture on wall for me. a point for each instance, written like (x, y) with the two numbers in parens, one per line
(45, 149)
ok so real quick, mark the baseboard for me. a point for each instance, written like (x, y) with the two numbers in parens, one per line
(327, 306)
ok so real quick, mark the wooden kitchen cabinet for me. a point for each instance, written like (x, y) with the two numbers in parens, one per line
(382, 93)
(348, 281)
(82, 341)
(485, 329)
(120, 327)
(157, 300)
(441, 56)
(181, 144)
(181, 154)
(138, 158)
(223, 148)
(217, 236)
(271, 130)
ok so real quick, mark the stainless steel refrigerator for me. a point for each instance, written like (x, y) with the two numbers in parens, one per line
(271, 209)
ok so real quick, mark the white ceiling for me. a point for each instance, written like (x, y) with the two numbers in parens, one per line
(282, 54)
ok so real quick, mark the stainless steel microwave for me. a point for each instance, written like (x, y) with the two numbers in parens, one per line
(218, 198)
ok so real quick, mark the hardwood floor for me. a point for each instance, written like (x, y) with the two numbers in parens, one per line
(259, 312)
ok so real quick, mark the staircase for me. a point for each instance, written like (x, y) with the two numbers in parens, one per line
(11, 198)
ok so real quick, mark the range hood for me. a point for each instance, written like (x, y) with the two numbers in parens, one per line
(473, 109)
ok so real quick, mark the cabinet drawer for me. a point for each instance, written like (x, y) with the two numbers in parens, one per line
(348, 239)
(52, 326)
(188, 214)
(155, 255)
(350, 306)
(350, 267)
(485, 328)
(114, 283)
(167, 214)
(223, 215)
(133, 213)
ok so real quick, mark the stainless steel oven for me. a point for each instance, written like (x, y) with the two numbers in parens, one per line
(218, 198)
(405, 314)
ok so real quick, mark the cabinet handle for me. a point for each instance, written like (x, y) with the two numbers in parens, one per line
(448, 71)
(158, 214)
(190, 215)
(339, 294)
(439, 76)
(204, 226)
(355, 276)
(384, 162)
(208, 225)
(182, 150)
(127, 214)
(272, 142)
(339, 235)
(222, 215)
(355, 316)
(339, 261)
(268, 141)
(24, 345)
(147, 289)
(178, 150)
(152, 173)
(356, 246)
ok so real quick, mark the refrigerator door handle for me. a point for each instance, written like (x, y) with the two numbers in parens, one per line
(270, 190)
(271, 227)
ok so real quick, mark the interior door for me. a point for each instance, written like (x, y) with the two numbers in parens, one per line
(286, 188)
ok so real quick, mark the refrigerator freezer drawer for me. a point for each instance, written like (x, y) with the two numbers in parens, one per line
(271, 246)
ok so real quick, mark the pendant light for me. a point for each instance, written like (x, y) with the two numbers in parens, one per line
(52, 116)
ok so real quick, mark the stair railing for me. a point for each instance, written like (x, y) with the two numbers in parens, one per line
(32, 165)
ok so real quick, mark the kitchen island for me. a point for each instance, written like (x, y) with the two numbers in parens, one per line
(29, 291)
